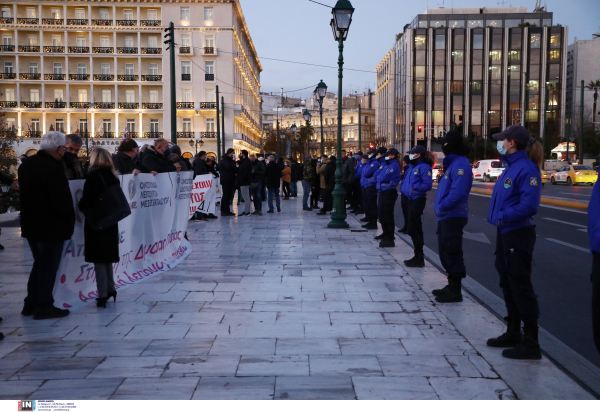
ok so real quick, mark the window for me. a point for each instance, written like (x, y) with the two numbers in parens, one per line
(81, 68)
(9, 95)
(493, 23)
(438, 23)
(105, 68)
(532, 22)
(153, 125)
(6, 12)
(153, 69)
(34, 95)
(57, 68)
(7, 39)
(440, 42)
(128, 14)
(131, 125)
(187, 95)
(59, 125)
(474, 23)
(208, 13)
(477, 41)
(210, 95)
(35, 124)
(33, 68)
(185, 68)
(106, 125)
(534, 41)
(130, 96)
(56, 41)
(512, 23)
(420, 42)
(80, 14)
(351, 119)
(153, 42)
(30, 12)
(106, 96)
(32, 40)
(209, 40)
(10, 124)
(129, 69)
(8, 67)
(209, 67)
(187, 124)
(185, 13)
(104, 41)
(555, 40)
(104, 14)
(82, 95)
(496, 56)
(55, 13)
(456, 24)
(153, 96)
(210, 125)
(186, 40)
(80, 41)
(83, 125)
(128, 41)
(152, 15)
(58, 95)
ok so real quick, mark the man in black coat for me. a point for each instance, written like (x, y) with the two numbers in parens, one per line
(154, 158)
(348, 175)
(7, 180)
(227, 170)
(243, 181)
(294, 183)
(329, 176)
(273, 179)
(256, 189)
(44, 187)
(73, 166)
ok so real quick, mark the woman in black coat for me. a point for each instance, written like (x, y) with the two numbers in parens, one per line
(101, 247)
(127, 160)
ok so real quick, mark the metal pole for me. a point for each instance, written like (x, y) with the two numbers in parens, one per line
(338, 216)
(173, 94)
(218, 122)
(307, 140)
(581, 128)
(277, 137)
(321, 112)
(223, 122)
(359, 127)
(545, 128)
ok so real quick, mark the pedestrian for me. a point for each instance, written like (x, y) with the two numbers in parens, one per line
(419, 183)
(316, 189)
(286, 178)
(373, 169)
(273, 177)
(74, 168)
(243, 181)
(452, 211)
(515, 201)
(227, 172)
(155, 160)
(258, 173)
(348, 166)
(127, 160)
(309, 175)
(404, 192)
(387, 191)
(43, 184)
(294, 177)
(101, 246)
(328, 175)
(176, 157)
(7, 180)
(594, 238)
(200, 169)
(263, 195)
(324, 161)
(356, 188)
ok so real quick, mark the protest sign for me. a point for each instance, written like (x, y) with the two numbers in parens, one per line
(203, 195)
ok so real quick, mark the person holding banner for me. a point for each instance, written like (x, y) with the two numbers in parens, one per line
(154, 158)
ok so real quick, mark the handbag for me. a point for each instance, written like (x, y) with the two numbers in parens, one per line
(110, 209)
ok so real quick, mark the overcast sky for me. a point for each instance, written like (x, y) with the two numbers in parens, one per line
(298, 30)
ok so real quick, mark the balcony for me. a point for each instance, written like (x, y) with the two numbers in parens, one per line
(29, 49)
(127, 50)
(107, 135)
(131, 135)
(32, 134)
(151, 77)
(31, 105)
(53, 22)
(8, 133)
(79, 77)
(54, 49)
(102, 49)
(6, 20)
(127, 77)
(27, 21)
(80, 105)
(56, 105)
(129, 106)
(8, 76)
(186, 77)
(104, 105)
(210, 50)
(102, 22)
(126, 23)
(7, 47)
(152, 106)
(153, 135)
(53, 76)
(30, 76)
(104, 77)
(208, 105)
(185, 135)
(186, 50)
(150, 23)
(151, 50)
(209, 77)
(79, 49)
(185, 105)
(7, 104)
(208, 135)
(77, 22)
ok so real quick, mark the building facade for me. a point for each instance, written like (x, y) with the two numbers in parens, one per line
(102, 67)
(479, 71)
(386, 98)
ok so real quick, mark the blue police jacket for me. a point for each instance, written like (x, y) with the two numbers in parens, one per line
(389, 178)
(419, 180)
(452, 197)
(517, 193)
(594, 219)
(368, 172)
(358, 169)
(382, 164)
(404, 188)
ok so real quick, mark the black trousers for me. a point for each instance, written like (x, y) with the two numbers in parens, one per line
(314, 197)
(226, 198)
(385, 208)
(348, 189)
(46, 260)
(286, 189)
(327, 200)
(415, 227)
(450, 237)
(371, 202)
(596, 299)
(404, 204)
(357, 194)
(514, 256)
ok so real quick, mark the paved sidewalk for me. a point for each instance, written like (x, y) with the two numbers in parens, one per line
(271, 307)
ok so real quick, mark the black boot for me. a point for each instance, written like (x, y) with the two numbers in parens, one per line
(387, 243)
(529, 348)
(453, 293)
(371, 225)
(511, 337)
(403, 230)
(418, 261)
(379, 237)
(364, 219)
(440, 292)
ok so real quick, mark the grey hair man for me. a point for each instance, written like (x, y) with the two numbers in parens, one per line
(43, 182)
(74, 169)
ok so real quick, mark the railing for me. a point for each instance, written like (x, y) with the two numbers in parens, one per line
(29, 49)
(209, 50)
(53, 76)
(6, 20)
(56, 105)
(104, 105)
(247, 114)
(150, 23)
(79, 77)
(131, 135)
(152, 106)
(185, 50)
(153, 135)
(151, 50)
(102, 22)
(80, 105)
(185, 135)
(7, 47)
(127, 50)
(107, 135)
(249, 141)
(102, 49)
(8, 76)
(8, 104)
(30, 76)
(126, 22)
(151, 77)
(54, 49)
(208, 135)
(186, 77)
(129, 105)
(77, 22)
(32, 133)
(209, 77)
(27, 21)
(79, 49)
(104, 77)
(127, 77)
(31, 105)
(208, 105)
(54, 22)
(8, 133)
(185, 105)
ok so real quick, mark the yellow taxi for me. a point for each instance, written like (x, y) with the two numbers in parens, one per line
(574, 174)
(544, 177)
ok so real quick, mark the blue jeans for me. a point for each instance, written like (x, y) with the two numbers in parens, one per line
(294, 189)
(257, 197)
(273, 192)
(306, 187)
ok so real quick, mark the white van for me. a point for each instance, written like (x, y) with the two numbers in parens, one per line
(488, 170)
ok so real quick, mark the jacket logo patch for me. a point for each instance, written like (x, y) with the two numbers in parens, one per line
(461, 172)
(416, 172)
(429, 173)
(533, 181)
(372, 165)
(446, 177)
(391, 170)
(507, 183)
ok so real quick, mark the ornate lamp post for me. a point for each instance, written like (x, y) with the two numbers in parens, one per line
(283, 143)
(340, 24)
(307, 117)
(320, 93)
(196, 143)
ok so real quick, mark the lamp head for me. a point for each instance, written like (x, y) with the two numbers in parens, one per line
(307, 115)
(293, 128)
(321, 89)
(342, 18)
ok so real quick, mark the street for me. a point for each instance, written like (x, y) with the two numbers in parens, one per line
(562, 262)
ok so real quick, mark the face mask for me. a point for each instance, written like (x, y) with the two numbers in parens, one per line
(412, 156)
(387, 158)
(500, 147)
(167, 152)
(69, 157)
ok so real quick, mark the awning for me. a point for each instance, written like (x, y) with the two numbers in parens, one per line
(562, 147)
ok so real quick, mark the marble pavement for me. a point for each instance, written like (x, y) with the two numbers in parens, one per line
(269, 307)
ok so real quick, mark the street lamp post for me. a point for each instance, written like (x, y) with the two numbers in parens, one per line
(196, 143)
(293, 129)
(340, 24)
(283, 143)
(320, 93)
(307, 118)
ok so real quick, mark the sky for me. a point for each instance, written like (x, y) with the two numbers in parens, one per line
(299, 31)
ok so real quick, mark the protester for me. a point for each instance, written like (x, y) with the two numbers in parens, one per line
(515, 201)
(199, 170)
(273, 177)
(7, 180)
(227, 171)
(154, 158)
(356, 185)
(404, 192)
(323, 162)
(258, 173)
(176, 157)
(594, 238)
(309, 178)
(316, 189)
(387, 183)
(101, 246)
(286, 178)
(44, 185)
(127, 160)
(348, 165)
(73, 166)
(296, 170)
(328, 176)
(243, 181)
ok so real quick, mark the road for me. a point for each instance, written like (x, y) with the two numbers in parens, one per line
(562, 262)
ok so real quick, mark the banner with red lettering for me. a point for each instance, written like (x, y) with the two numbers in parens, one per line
(203, 195)
(151, 239)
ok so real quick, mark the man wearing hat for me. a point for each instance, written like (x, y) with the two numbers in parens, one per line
(357, 189)
(370, 195)
(407, 168)
(387, 182)
(452, 211)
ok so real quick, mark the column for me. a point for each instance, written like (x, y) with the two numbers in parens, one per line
(486, 81)
(19, 117)
(428, 129)
(525, 66)
(467, 102)
(449, 79)
(543, 79)
(68, 117)
(503, 113)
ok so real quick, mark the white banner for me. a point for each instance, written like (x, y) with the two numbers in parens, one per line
(203, 195)
(219, 194)
(151, 239)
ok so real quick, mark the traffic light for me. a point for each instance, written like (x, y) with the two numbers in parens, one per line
(420, 129)
(371, 146)
(170, 36)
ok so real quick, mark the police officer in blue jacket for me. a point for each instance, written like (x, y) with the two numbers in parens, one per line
(406, 168)
(452, 211)
(387, 183)
(594, 237)
(418, 184)
(373, 169)
(357, 189)
(366, 159)
(515, 201)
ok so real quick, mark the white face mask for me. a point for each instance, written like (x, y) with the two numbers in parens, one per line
(370, 156)
(387, 158)
(412, 156)
(500, 147)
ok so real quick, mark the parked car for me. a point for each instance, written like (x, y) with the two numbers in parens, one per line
(488, 170)
(574, 174)
(544, 177)
(436, 171)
